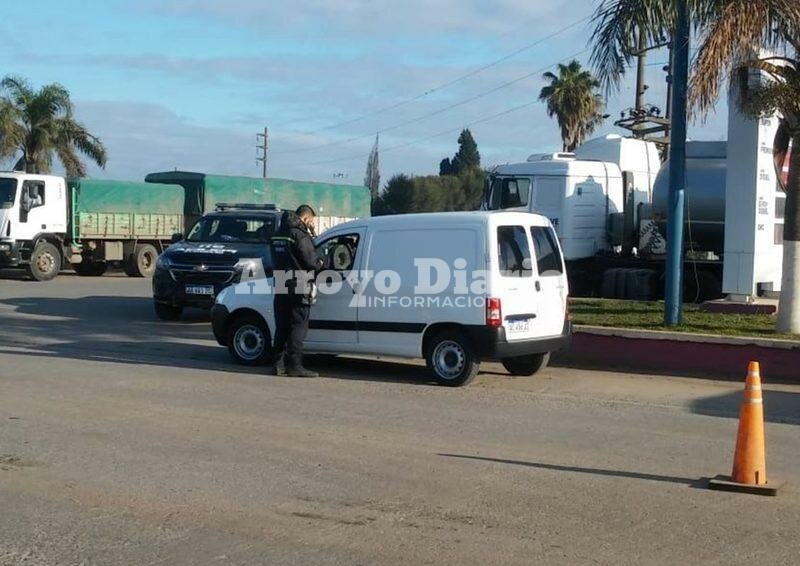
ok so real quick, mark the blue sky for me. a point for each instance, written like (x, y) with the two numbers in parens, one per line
(188, 83)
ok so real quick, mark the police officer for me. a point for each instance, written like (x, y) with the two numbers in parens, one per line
(293, 308)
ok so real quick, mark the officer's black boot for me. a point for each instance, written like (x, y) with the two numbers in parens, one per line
(280, 366)
(294, 368)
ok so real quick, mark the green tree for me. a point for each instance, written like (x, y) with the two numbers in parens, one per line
(466, 159)
(573, 99)
(38, 125)
(728, 32)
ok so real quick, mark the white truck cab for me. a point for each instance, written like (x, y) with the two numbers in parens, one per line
(452, 288)
(33, 220)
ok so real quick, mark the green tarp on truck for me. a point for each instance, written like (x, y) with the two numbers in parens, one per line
(333, 203)
(124, 210)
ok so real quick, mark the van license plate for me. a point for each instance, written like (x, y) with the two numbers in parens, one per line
(519, 325)
(199, 289)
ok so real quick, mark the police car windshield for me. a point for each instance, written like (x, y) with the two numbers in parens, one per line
(233, 230)
(8, 191)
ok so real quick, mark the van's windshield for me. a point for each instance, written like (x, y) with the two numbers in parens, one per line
(8, 191)
(508, 192)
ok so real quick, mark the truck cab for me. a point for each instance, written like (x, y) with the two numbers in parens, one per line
(33, 222)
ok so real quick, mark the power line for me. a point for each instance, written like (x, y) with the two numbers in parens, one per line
(448, 83)
(435, 112)
(432, 136)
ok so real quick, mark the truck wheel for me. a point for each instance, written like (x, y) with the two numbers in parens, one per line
(249, 341)
(526, 365)
(45, 262)
(165, 311)
(90, 268)
(451, 360)
(142, 262)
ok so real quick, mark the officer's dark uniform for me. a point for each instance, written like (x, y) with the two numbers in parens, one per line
(292, 310)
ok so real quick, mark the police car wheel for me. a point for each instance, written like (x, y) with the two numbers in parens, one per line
(249, 341)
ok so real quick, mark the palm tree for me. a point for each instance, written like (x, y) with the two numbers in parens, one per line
(572, 98)
(729, 32)
(40, 124)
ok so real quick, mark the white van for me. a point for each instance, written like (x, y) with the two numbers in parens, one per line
(453, 288)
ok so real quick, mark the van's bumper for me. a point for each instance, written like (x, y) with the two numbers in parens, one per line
(10, 253)
(491, 344)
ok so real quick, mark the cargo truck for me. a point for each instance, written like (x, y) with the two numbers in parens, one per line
(48, 222)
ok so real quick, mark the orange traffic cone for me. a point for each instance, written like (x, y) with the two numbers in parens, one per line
(749, 460)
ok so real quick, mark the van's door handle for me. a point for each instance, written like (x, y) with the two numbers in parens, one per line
(538, 286)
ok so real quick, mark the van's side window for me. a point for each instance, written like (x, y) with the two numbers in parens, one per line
(513, 252)
(548, 257)
(339, 253)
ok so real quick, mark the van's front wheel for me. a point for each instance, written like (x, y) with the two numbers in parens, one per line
(526, 365)
(451, 360)
(249, 341)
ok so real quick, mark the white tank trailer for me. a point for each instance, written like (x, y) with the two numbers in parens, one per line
(608, 203)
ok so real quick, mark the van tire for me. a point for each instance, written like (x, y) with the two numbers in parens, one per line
(451, 359)
(142, 262)
(45, 262)
(166, 311)
(526, 366)
(249, 341)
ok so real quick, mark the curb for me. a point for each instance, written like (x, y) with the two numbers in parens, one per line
(676, 353)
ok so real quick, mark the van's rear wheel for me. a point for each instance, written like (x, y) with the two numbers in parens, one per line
(526, 365)
(451, 359)
(249, 341)
(45, 262)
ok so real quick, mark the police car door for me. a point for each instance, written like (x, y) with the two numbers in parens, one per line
(334, 315)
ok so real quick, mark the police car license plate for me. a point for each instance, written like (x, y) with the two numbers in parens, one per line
(199, 289)
(520, 325)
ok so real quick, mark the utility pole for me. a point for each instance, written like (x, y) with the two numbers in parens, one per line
(262, 147)
(673, 292)
(641, 87)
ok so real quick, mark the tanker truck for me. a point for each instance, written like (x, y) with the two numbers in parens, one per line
(48, 222)
(608, 203)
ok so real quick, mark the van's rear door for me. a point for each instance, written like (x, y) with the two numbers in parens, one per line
(515, 285)
(551, 281)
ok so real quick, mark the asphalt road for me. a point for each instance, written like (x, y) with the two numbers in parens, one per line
(124, 439)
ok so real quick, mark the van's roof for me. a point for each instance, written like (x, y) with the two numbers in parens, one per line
(435, 219)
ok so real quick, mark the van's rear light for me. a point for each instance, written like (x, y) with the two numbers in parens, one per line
(494, 312)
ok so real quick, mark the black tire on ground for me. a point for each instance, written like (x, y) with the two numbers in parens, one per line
(45, 262)
(526, 365)
(167, 312)
(451, 359)
(90, 268)
(142, 262)
(249, 341)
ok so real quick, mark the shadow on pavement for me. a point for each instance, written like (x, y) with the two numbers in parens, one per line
(779, 406)
(340, 367)
(691, 482)
(112, 329)
(126, 330)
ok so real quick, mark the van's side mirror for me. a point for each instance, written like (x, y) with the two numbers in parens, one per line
(176, 237)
